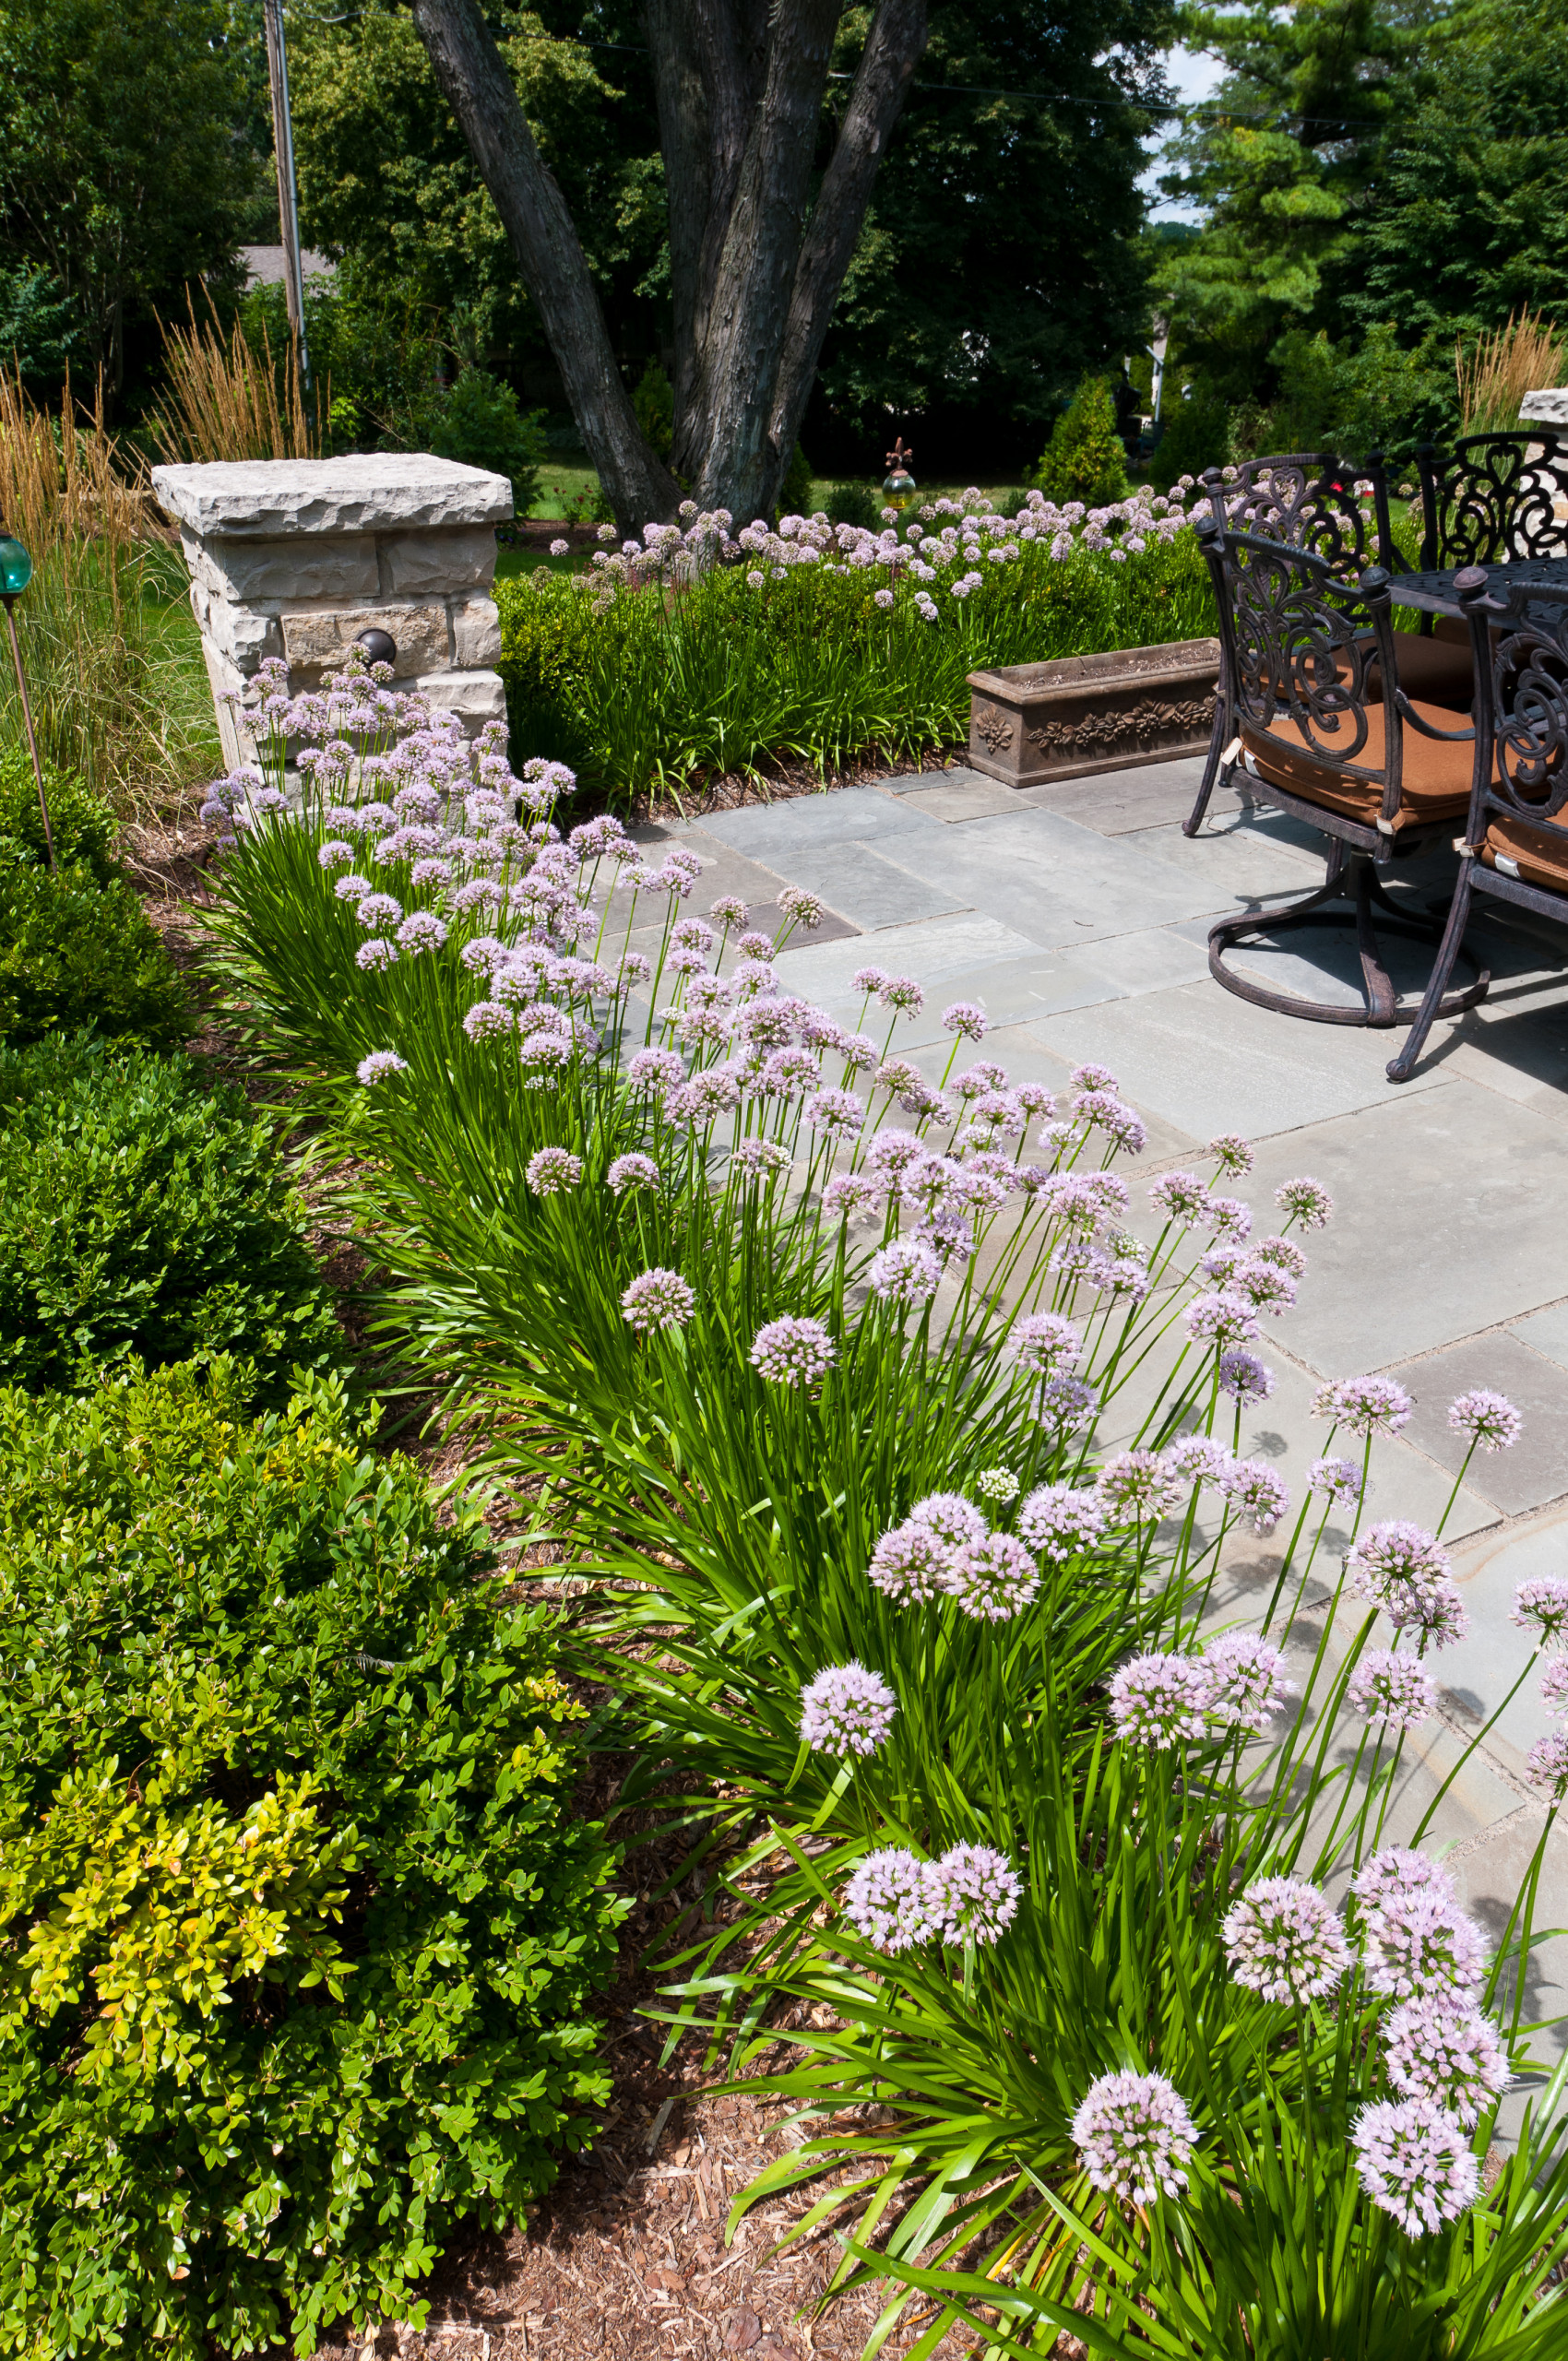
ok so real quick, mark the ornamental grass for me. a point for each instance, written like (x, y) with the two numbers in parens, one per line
(895, 1432)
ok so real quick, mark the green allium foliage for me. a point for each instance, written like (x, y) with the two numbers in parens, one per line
(299, 1921)
(716, 650)
(825, 1329)
(141, 1212)
(75, 946)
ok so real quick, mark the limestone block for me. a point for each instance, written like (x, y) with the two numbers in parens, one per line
(317, 640)
(361, 493)
(414, 562)
(476, 630)
(338, 565)
(479, 697)
(1548, 408)
(242, 633)
(226, 681)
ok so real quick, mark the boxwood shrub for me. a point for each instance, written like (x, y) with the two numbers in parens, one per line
(75, 945)
(297, 1918)
(142, 1212)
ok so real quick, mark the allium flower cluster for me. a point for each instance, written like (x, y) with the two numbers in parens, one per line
(1394, 1689)
(792, 1351)
(1285, 1941)
(911, 1562)
(886, 1901)
(1305, 1200)
(378, 1066)
(1489, 1419)
(1059, 1523)
(1043, 1341)
(1231, 1153)
(847, 1711)
(1415, 2162)
(1198, 1459)
(1256, 1494)
(1247, 1679)
(1541, 1604)
(1244, 1378)
(1366, 1405)
(658, 1298)
(1159, 1701)
(997, 1484)
(1546, 1765)
(992, 1578)
(550, 1169)
(973, 1894)
(1135, 2136)
(1450, 2054)
(1221, 1319)
(905, 1272)
(1395, 1874)
(1398, 1566)
(1181, 1196)
(1337, 1479)
(634, 1171)
(1423, 1942)
(1139, 1484)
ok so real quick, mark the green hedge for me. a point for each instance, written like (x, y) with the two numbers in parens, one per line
(141, 1212)
(75, 945)
(298, 1919)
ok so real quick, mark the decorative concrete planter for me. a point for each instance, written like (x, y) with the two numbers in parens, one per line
(1032, 723)
(296, 557)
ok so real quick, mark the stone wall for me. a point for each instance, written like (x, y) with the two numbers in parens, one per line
(294, 558)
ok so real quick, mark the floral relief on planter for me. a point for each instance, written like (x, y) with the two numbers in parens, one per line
(1033, 723)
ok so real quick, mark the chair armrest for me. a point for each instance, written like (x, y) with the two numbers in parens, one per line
(1409, 714)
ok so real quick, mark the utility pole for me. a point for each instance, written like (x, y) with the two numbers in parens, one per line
(288, 199)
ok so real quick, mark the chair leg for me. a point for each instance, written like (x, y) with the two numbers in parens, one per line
(1218, 738)
(1349, 879)
(1401, 1068)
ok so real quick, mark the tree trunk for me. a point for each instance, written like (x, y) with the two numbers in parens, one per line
(549, 256)
(755, 266)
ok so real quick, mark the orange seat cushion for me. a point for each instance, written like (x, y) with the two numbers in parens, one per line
(1540, 854)
(1439, 671)
(1437, 777)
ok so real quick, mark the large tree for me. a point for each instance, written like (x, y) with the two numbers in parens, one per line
(762, 227)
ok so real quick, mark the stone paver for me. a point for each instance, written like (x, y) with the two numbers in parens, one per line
(1077, 915)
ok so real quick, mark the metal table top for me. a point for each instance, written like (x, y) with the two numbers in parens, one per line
(1435, 591)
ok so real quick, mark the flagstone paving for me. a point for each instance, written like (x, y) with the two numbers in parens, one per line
(1077, 916)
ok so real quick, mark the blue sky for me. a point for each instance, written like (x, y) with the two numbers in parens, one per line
(1193, 77)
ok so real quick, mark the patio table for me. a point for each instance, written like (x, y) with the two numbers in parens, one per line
(1435, 593)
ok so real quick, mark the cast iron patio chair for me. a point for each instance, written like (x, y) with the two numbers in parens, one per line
(1515, 840)
(1307, 654)
(1495, 496)
(1310, 500)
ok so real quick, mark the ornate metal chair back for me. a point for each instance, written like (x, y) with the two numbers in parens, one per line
(1523, 706)
(1301, 644)
(1495, 496)
(1308, 500)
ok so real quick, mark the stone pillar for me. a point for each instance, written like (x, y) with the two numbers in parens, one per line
(296, 557)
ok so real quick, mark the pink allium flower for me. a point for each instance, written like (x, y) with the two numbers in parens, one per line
(803, 908)
(1396, 1873)
(837, 1113)
(657, 1071)
(1541, 1604)
(1282, 1251)
(868, 981)
(1229, 1221)
(1418, 1942)
(1263, 1284)
(1337, 1479)
(1134, 2135)
(1093, 1077)
(792, 1351)
(1256, 1494)
(552, 1169)
(1221, 1319)
(972, 1894)
(1160, 1700)
(1554, 1688)
(1415, 2162)
(1305, 1200)
(1247, 1680)
(1448, 2055)
(376, 956)
(635, 1171)
(1393, 1689)
(1398, 1566)
(487, 1019)
(1244, 1378)
(847, 1710)
(1098, 1111)
(886, 1901)
(1285, 1942)
(1139, 1484)
(911, 1562)
(903, 993)
(542, 1055)
(729, 912)
(1198, 1459)
(905, 1272)
(1061, 1522)
(1489, 1420)
(849, 1193)
(891, 1154)
(967, 1018)
(378, 1066)
(1231, 1152)
(1065, 1402)
(993, 1578)
(1546, 1765)
(658, 1298)
(1180, 1195)
(954, 1520)
(756, 946)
